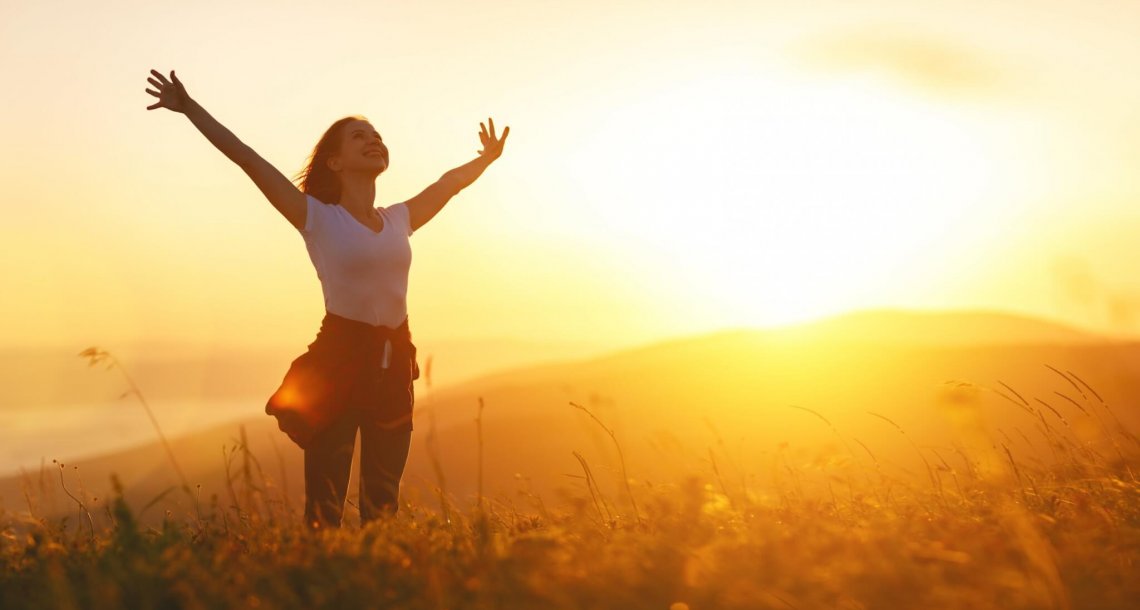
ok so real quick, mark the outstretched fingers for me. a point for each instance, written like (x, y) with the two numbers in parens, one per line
(157, 85)
(168, 93)
(492, 143)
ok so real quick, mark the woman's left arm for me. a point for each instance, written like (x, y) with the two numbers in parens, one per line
(427, 204)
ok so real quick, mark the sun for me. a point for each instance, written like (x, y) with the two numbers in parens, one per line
(775, 199)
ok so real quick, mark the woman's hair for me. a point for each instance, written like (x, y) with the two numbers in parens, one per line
(316, 178)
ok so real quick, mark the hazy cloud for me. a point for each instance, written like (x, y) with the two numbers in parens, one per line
(1095, 301)
(918, 60)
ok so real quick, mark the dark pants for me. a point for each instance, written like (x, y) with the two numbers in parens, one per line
(383, 453)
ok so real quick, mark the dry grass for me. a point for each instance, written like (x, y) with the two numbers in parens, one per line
(986, 528)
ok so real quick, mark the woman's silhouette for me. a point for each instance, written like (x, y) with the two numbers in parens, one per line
(358, 372)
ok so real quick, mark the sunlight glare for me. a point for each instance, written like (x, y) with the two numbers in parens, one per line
(779, 199)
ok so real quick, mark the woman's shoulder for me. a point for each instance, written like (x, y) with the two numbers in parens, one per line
(398, 213)
(315, 200)
(316, 213)
(400, 207)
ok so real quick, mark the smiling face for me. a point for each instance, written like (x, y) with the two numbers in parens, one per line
(361, 150)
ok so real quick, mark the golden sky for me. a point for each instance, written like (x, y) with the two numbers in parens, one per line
(673, 167)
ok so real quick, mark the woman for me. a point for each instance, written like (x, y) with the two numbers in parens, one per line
(358, 372)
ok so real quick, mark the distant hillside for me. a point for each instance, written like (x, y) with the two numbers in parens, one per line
(40, 377)
(43, 377)
(946, 328)
(741, 396)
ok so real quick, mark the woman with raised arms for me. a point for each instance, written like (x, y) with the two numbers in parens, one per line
(358, 372)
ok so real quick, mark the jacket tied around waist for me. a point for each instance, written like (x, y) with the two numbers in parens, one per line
(350, 364)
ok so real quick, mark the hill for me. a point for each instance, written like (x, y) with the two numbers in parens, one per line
(745, 401)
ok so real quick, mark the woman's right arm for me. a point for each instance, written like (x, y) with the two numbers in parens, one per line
(283, 194)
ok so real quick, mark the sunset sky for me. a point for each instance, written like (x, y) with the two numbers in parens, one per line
(673, 167)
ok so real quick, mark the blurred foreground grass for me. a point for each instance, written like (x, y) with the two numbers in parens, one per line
(1069, 544)
(991, 529)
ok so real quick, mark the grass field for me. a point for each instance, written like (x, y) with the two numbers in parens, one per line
(975, 526)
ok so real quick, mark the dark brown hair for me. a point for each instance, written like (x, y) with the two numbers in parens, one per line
(316, 178)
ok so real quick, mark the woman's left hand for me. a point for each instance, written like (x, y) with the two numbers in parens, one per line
(492, 145)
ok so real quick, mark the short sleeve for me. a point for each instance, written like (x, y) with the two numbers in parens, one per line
(398, 213)
(314, 209)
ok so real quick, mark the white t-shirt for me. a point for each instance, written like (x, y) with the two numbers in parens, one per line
(364, 274)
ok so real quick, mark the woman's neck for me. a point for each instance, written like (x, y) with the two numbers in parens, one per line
(357, 193)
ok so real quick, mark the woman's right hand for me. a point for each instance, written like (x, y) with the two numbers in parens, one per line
(170, 95)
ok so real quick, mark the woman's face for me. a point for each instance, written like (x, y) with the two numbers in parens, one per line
(361, 150)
